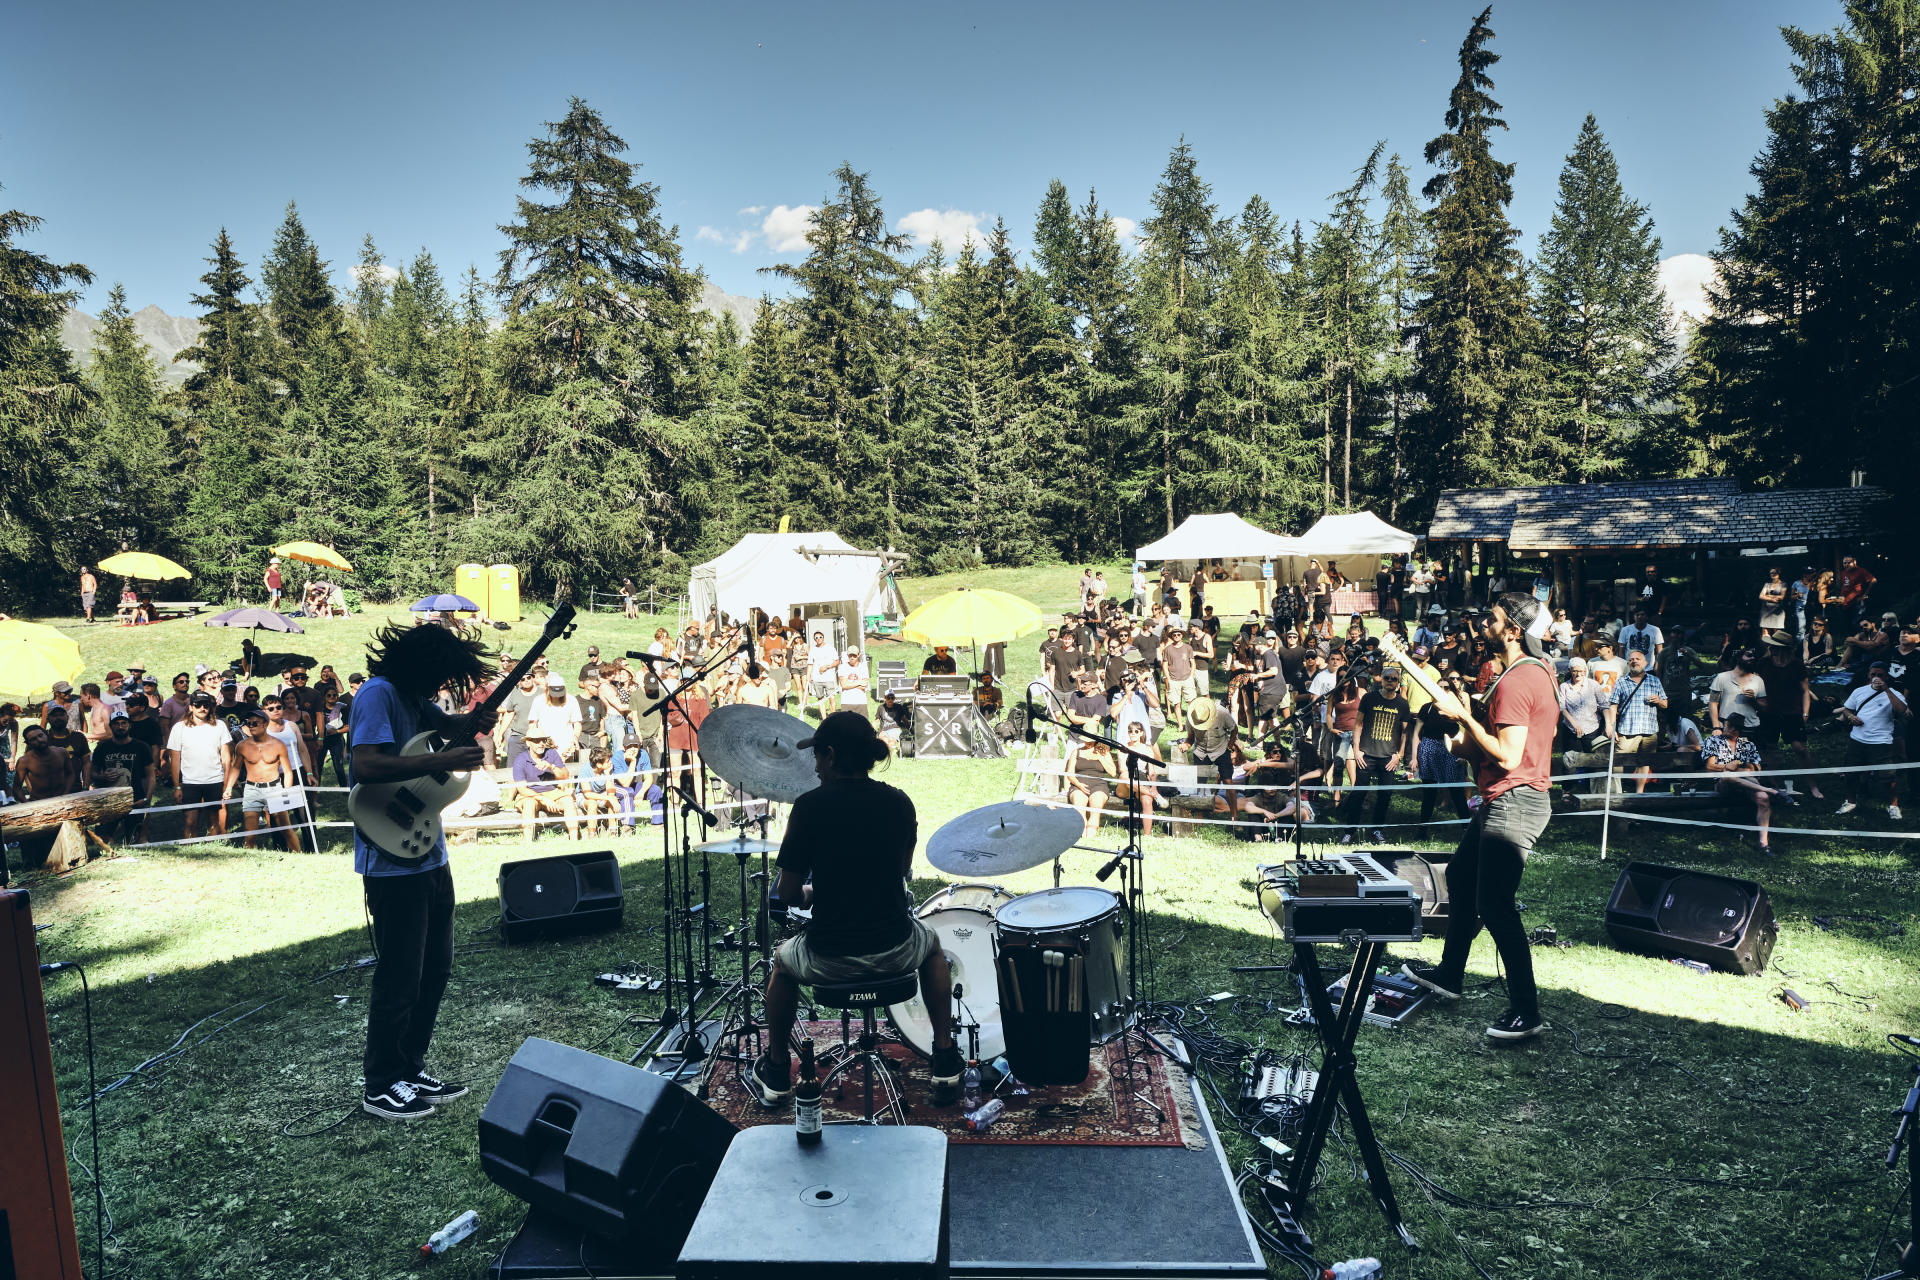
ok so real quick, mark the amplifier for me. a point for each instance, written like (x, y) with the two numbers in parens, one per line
(37, 1235)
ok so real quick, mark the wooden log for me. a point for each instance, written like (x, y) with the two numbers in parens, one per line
(102, 804)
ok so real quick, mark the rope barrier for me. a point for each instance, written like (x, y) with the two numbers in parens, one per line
(1624, 815)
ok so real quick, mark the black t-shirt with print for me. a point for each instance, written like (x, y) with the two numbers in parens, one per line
(1383, 723)
(129, 755)
(593, 722)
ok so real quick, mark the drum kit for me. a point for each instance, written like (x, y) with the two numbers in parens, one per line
(1042, 978)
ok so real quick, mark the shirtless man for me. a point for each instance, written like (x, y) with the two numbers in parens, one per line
(263, 764)
(43, 770)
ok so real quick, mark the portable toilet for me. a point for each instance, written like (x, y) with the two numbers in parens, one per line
(503, 593)
(470, 580)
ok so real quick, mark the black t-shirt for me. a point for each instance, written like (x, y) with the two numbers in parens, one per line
(1085, 705)
(1293, 662)
(935, 665)
(132, 756)
(898, 713)
(1114, 670)
(1783, 687)
(1273, 690)
(1903, 669)
(1065, 663)
(1383, 583)
(854, 837)
(1383, 723)
(146, 732)
(593, 721)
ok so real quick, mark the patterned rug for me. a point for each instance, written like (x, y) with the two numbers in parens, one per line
(1099, 1111)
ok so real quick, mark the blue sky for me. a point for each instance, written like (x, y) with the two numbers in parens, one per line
(138, 130)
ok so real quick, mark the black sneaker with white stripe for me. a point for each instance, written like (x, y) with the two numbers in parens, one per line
(1429, 976)
(1516, 1026)
(434, 1090)
(398, 1101)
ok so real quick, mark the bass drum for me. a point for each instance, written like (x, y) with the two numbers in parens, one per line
(962, 916)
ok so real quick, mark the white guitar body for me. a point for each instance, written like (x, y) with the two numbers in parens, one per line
(403, 819)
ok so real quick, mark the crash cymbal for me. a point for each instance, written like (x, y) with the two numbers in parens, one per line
(738, 845)
(996, 839)
(757, 750)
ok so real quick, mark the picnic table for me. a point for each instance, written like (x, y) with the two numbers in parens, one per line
(165, 609)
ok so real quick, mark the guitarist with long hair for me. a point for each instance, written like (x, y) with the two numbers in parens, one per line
(410, 899)
(1512, 751)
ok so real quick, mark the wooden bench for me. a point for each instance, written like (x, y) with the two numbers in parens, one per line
(166, 610)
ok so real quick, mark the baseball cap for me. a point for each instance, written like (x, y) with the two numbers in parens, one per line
(61, 686)
(116, 675)
(118, 716)
(555, 680)
(593, 651)
(1419, 651)
(151, 681)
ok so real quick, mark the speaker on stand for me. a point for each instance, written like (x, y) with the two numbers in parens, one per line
(1725, 922)
(568, 893)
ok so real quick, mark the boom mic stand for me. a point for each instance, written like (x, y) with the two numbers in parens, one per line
(1904, 1136)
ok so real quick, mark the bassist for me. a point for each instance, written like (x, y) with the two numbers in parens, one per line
(410, 901)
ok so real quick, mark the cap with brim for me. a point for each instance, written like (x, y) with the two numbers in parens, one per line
(1419, 651)
(138, 666)
(116, 675)
(556, 681)
(152, 680)
(118, 716)
(1775, 640)
(61, 686)
(1879, 666)
(1436, 609)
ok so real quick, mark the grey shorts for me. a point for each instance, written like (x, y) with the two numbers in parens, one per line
(253, 797)
(798, 961)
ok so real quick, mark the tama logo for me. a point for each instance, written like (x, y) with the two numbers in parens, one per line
(860, 996)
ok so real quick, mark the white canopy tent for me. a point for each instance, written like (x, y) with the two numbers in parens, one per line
(784, 572)
(1358, 533)
(1224, 536)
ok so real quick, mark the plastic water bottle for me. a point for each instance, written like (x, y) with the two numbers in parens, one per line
(970, 1086)
(984, 1115)
(1353, 1269)
(451, 1234)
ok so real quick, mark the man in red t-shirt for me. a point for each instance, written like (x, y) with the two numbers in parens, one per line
(1511, 759)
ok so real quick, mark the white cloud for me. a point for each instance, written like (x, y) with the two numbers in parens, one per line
(741, 241)
(753, 211)
(708, 233)
(385, 273)
(953, 228)
(1685, 277)
(1123, 229)
(786, 226)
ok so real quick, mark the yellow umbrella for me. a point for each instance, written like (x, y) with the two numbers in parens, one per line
(33, 658)
(314, 553)
(143, 564)
(971, 615)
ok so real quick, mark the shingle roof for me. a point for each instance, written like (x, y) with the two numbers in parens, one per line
(1548, 522)
(1488, 515)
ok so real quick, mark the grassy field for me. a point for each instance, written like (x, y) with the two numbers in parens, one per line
(1685, 1125)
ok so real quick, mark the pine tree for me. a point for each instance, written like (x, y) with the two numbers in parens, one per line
(1404, 251)
(301, 305)
(1473, 326)
(842, 457)
(343, 471)
(43, 400)
(754, 449)
(1346, 274)
(1605, 326)
(371, 288)
(1179, 274)
(595, 360)
(128, 456)
(230, 353)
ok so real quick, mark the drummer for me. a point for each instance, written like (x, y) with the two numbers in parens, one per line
(855, 836)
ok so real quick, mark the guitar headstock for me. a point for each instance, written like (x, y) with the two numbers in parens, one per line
(559, 622)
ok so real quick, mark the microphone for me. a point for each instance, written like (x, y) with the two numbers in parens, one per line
(647, 657)
(1113, 865)
(1033, 734)
(685, 793)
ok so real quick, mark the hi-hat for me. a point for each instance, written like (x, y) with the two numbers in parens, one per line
(757, 749)
(996, 839)
(739, 846)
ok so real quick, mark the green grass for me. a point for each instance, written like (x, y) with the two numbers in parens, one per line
(1715, 1133)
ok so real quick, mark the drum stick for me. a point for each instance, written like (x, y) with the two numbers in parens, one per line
(1073, 984)
(1013, 984)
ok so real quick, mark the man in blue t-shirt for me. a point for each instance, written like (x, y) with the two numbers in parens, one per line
(410, 901)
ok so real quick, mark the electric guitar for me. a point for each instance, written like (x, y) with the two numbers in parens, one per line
(402, 819)
(1458, 742)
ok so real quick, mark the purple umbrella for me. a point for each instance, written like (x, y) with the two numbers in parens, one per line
(444, 603)
(255, 618)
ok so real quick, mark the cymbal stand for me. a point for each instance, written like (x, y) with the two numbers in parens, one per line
(743, 1029)
(1904, 1136)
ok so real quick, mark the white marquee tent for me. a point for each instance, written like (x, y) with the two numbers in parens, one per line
(784, 572)
(1224, 537)
(1358, 533)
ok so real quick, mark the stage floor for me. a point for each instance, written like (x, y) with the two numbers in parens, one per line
(1077, 1213)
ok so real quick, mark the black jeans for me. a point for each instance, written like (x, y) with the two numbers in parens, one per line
(1482, 880)
(1372, 773)
(413, 934)
(332, 747)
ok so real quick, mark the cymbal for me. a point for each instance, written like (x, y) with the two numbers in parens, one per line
(999, 838)
(757, 750)
(738, 845)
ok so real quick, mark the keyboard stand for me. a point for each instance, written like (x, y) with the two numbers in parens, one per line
(1338, 1032)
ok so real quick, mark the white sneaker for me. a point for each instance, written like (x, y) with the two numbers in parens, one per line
(1845, 807)
(1893, 811)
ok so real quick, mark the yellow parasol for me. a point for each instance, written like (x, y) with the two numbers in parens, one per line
(33, 658)
(971, 615)
(315, 554)
(144, 565)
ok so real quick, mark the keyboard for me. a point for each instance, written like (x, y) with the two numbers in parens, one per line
(1345, 897)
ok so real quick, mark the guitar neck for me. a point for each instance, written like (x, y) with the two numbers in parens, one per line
(561, 623)
(1412, 670)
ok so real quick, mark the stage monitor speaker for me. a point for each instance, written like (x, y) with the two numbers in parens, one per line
(620, 1152)
(942, 728)
(1728, 923)
(37, 1235)
(1427, 873)
(568, 893)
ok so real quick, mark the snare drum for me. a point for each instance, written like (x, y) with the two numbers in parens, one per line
(962, 916)
(1058, 966)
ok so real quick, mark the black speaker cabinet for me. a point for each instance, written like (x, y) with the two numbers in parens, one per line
(570, 893)
(1728, 923)
(1427, 873)
(943, 728)
(621, 1152)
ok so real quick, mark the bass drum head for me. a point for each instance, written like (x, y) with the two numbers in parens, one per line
(966, 936)
(988, 898)
(1052, 911)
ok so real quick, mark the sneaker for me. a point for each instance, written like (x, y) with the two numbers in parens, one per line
(1377, 836)
(1346, 837)
(1428, 976)
(1514, 1026)
(945, 1074)
(1893, 811)
(772, 1082)
(1846, 806)
(1786, 799)
(398, 1101)
(435, 1090)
